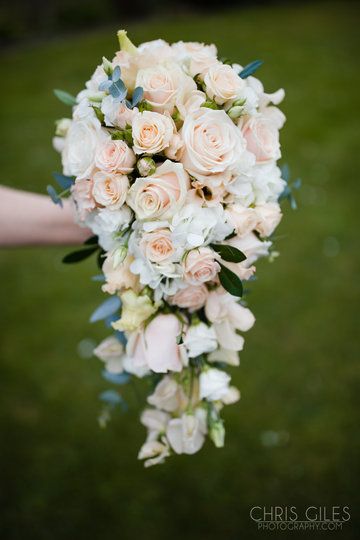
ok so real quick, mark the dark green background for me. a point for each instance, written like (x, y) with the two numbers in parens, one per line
(294, 437)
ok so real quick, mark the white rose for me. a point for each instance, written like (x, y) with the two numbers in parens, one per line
(197, 57)
(223, 83)
(161, 194)
(81, 142)
(110, 190)
(269, 216)
(115, 156)
(167, 395)
(212, 145)
(200, 339)
(111, 352)
(186, 435)
(152, 132)
(262, 138)
(214, 384)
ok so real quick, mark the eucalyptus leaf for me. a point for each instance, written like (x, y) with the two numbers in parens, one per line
(116, 378)
(65, 182)
(137, 96)
(250, 69)
(105, 85)
(111, 396)
(230, 281)
(229, 253)
(65, 97)
(53, 195)
(80, 255)
(116, 74)
(118, 90)
(107, 308)
(98, 277)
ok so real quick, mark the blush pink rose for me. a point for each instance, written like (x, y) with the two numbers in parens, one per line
(200, 266)
(262, 138)
(192, 297)
(156, 347)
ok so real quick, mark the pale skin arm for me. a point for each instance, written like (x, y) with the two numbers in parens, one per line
(30, 219)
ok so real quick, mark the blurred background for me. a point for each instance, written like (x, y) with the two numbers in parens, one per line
(294, 437)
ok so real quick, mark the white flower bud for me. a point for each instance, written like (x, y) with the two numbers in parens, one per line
(146, 166)
(62, 127)
(217, 433)
(235, 112)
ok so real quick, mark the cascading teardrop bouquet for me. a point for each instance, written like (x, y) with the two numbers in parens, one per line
(170, 158)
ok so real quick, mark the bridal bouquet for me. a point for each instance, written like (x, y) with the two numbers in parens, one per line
(170, 158)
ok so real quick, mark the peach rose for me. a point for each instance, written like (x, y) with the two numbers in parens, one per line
(152, 132)
(157, 246)
(82, 192)
(192, 297)
(110, 190)
(223, 83)
(262, 138)
(200, 265)
(213, 145)
(156, 347)
(119, 277)
(115, 156)
(161, 194)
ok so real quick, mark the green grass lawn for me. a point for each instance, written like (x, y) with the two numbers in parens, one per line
(294, 438)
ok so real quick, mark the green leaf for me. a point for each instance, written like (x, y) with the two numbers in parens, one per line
(229, 253)
(99, 114)
(65, 97)
(93, 240)
(230, 281)
(250, 69)
(80, 255)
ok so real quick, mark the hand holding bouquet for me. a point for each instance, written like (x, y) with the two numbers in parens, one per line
(170, 159)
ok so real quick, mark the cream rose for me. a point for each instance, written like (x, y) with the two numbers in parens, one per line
(157, 245)
(200, 266)
(81, 142)
(152, 132)
(115, 156)
(262, 138)
(164, 86)
(159, 195)
(213, 145)
(110, 190)
(243, 219)
(192, 297)
(268, 218)
(223, 83)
